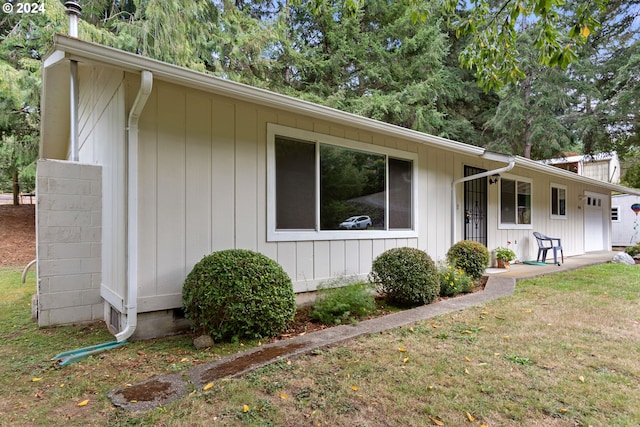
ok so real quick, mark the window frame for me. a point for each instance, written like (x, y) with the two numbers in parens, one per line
(615, 208)
(274, 235)
(509, 225)
(558, 187)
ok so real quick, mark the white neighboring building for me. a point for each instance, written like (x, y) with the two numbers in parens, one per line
(625, 222)
(602, 166)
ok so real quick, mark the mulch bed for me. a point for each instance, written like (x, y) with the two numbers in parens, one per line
(17, 235)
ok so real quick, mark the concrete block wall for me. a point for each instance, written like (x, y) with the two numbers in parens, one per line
(68, 242)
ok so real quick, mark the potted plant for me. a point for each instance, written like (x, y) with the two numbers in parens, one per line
(504, 256)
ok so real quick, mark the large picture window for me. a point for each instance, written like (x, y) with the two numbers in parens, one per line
(515, 203)
(323, 187)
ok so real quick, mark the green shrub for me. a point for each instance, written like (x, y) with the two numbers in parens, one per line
(470, 256)
(454, 281)
(237, 293)
(633, 250)
(336, 302)
(407, 276)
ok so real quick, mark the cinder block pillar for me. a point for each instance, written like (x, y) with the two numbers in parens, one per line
(68, 242)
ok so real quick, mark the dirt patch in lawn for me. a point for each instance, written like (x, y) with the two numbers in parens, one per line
(17, 235)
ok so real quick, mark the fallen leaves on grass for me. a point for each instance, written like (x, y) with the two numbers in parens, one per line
(436, 421)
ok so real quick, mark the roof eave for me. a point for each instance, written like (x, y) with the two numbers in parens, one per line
(83, 51)
(54, 104)
(80, 50)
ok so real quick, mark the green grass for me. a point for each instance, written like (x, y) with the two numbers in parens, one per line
(562, 351)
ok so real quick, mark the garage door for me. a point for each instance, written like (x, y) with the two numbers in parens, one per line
(594, 222)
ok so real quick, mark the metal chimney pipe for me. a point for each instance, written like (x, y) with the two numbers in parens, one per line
(73, 10)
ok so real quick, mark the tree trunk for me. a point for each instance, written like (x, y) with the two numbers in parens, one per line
(16, 188)
(527, 122)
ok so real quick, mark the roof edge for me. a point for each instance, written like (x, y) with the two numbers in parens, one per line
(80, 50)
(76, 49)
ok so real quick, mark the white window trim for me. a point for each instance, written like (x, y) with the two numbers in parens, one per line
(566, 199)
(274, 235)
(617, 208)
(510, 226)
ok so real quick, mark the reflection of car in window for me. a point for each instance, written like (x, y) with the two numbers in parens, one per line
(361, 222)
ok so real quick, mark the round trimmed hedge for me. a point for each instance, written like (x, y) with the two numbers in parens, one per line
(469, 256)
(407, 276)
(237, 293)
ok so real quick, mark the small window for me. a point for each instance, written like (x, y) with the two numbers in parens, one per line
(515, 203)
(615, 214)
(558, 201)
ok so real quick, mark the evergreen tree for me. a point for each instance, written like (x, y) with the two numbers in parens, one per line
(373, 61)
(23, 41)
(605, 83)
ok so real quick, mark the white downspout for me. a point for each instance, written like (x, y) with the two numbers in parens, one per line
(131, 302)
(485, 155)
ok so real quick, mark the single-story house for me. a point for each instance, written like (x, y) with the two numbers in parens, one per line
(147, 167)
(625, 220)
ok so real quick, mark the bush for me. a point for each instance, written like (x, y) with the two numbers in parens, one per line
(470, 256)
(237, 293)
(407, 276)
(454, 281)
(633, 250)
(337, 302)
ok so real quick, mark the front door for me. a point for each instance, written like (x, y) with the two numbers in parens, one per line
(475, 206)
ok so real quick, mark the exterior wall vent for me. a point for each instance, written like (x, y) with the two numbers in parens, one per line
(114, 319)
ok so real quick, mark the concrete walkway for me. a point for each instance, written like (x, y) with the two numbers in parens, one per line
(164, 389)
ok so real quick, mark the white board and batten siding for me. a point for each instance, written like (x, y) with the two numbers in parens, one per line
(625, 223)
(102, 141)
(579, 230)
(203, 167)
(203, 188)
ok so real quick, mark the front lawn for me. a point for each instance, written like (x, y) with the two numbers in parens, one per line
(562, 351)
